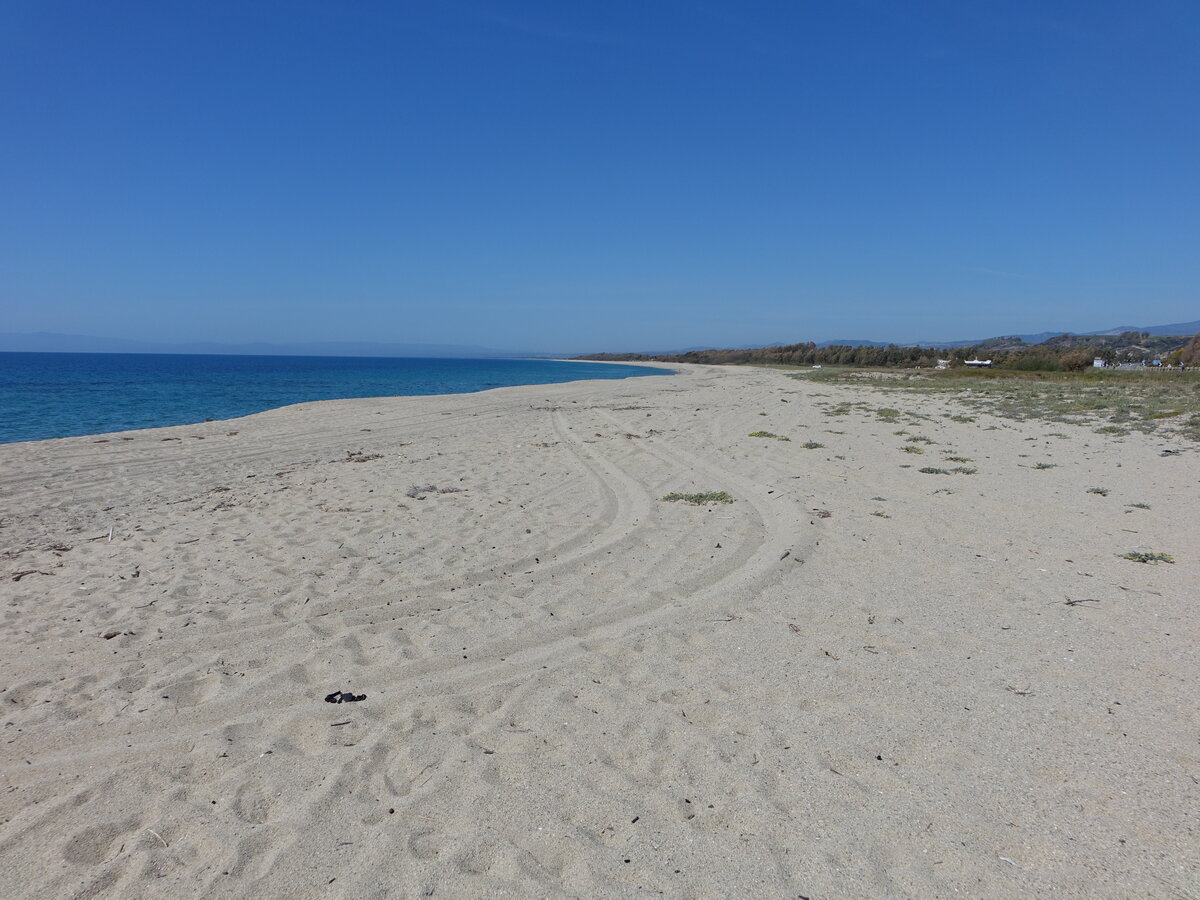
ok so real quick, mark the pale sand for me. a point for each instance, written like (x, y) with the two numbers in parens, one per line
(576, 690)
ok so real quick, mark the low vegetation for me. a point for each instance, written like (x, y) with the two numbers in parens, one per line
(767, 434)
(699, 499)
(1139, 556)
(1106, 401)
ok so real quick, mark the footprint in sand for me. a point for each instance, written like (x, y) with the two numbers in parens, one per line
(195, 692)
(252, 805)
(94, 845)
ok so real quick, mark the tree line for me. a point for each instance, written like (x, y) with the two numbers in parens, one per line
(1068, 353)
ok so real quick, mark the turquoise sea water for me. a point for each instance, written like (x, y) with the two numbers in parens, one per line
(50, 395)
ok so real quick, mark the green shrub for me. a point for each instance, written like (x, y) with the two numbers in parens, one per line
(1138, 556)
(1034, 364)
(699, 499)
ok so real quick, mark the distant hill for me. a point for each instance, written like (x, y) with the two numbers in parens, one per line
(1181, 329)
(1178, 328)
(46, 342)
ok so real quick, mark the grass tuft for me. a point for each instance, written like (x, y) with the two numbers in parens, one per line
(699, 499)
(767, 434)
(1138, 556)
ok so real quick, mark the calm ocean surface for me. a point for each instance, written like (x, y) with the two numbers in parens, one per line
(50, 395)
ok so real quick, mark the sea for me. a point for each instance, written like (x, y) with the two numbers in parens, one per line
(54, 395)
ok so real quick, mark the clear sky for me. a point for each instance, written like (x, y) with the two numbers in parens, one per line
(597, 174)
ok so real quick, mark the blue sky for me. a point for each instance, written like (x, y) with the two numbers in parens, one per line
(597, 175)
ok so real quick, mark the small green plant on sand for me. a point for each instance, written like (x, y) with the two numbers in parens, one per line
(1103, 492)
(964, 470)
(1138, 556)
(812, 445)
(911, 448)
(1045, 465)
(959, 459)
(933, 470)
(919, 439)
(1139, 505)
(767, 434)
(699, 499)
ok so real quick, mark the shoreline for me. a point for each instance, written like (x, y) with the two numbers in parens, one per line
(119, 432)
(856, 679)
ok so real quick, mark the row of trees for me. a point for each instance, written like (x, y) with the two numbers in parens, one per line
(1050, 356)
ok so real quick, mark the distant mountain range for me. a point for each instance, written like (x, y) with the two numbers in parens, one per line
(1176, 328)
(46, 342)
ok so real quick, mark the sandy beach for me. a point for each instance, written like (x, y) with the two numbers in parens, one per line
(855, 680)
